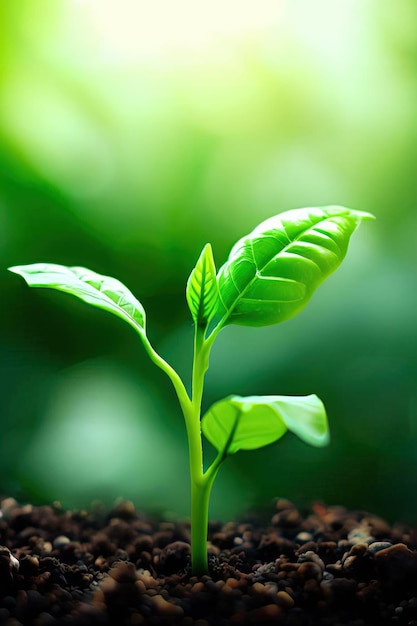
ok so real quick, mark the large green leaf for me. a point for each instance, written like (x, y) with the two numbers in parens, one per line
(271, 273)
(202, 291)
(237, 423)
(100, 291)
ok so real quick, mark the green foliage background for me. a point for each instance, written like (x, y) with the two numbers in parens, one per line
(129, 137)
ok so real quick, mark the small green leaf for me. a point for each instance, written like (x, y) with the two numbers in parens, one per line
(100, 291)
(237, 423)
(202, 291)
(272, 273)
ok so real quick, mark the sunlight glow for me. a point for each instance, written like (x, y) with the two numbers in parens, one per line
(103, 424)
(133, 28)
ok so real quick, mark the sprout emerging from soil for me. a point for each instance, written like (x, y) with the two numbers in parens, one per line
(269, 277)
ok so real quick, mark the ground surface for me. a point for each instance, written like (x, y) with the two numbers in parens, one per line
(328, 568)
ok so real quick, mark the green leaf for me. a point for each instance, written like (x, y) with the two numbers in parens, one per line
(271, 273)
(237, 423)
(202, 291)
(100, 291)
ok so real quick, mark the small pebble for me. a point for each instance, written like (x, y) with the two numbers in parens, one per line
(60, 541)
(123, 572)
(147, 579)
(7, 505)
(396, 563)
(282, 504)
(108, 585)
(163, 607)
(361, 534)
(288, 518)
(14, 563)
(376, 546)
(267, 613)
(312, 557)
(271, 588)
(309, 569)
(285, 599)
(259, 588)
(349, 563)
(8, 561)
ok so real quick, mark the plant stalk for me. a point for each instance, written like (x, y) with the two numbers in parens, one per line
(200, 496)
(200, 484)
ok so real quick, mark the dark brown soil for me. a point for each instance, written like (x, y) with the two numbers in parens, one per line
(329, 568)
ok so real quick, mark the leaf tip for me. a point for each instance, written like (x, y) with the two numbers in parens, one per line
(207, 249)
(342, 210)
(16, 269)
(364, 215)
(323, 440)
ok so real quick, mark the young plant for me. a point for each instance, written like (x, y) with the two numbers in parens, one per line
(269, 277)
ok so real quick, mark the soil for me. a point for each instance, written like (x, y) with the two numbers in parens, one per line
(326, 568)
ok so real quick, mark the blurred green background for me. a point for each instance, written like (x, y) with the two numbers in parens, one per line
(131, 133)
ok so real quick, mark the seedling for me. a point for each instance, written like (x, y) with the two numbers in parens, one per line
(269, 277)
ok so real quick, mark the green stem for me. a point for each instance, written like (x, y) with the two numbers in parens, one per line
(200, 484)
(200, 495)
(200, 498)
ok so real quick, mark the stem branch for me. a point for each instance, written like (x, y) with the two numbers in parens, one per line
(180, 390)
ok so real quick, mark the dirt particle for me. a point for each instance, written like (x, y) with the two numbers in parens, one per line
(163, 607)
(285, 599)
(268, 613)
